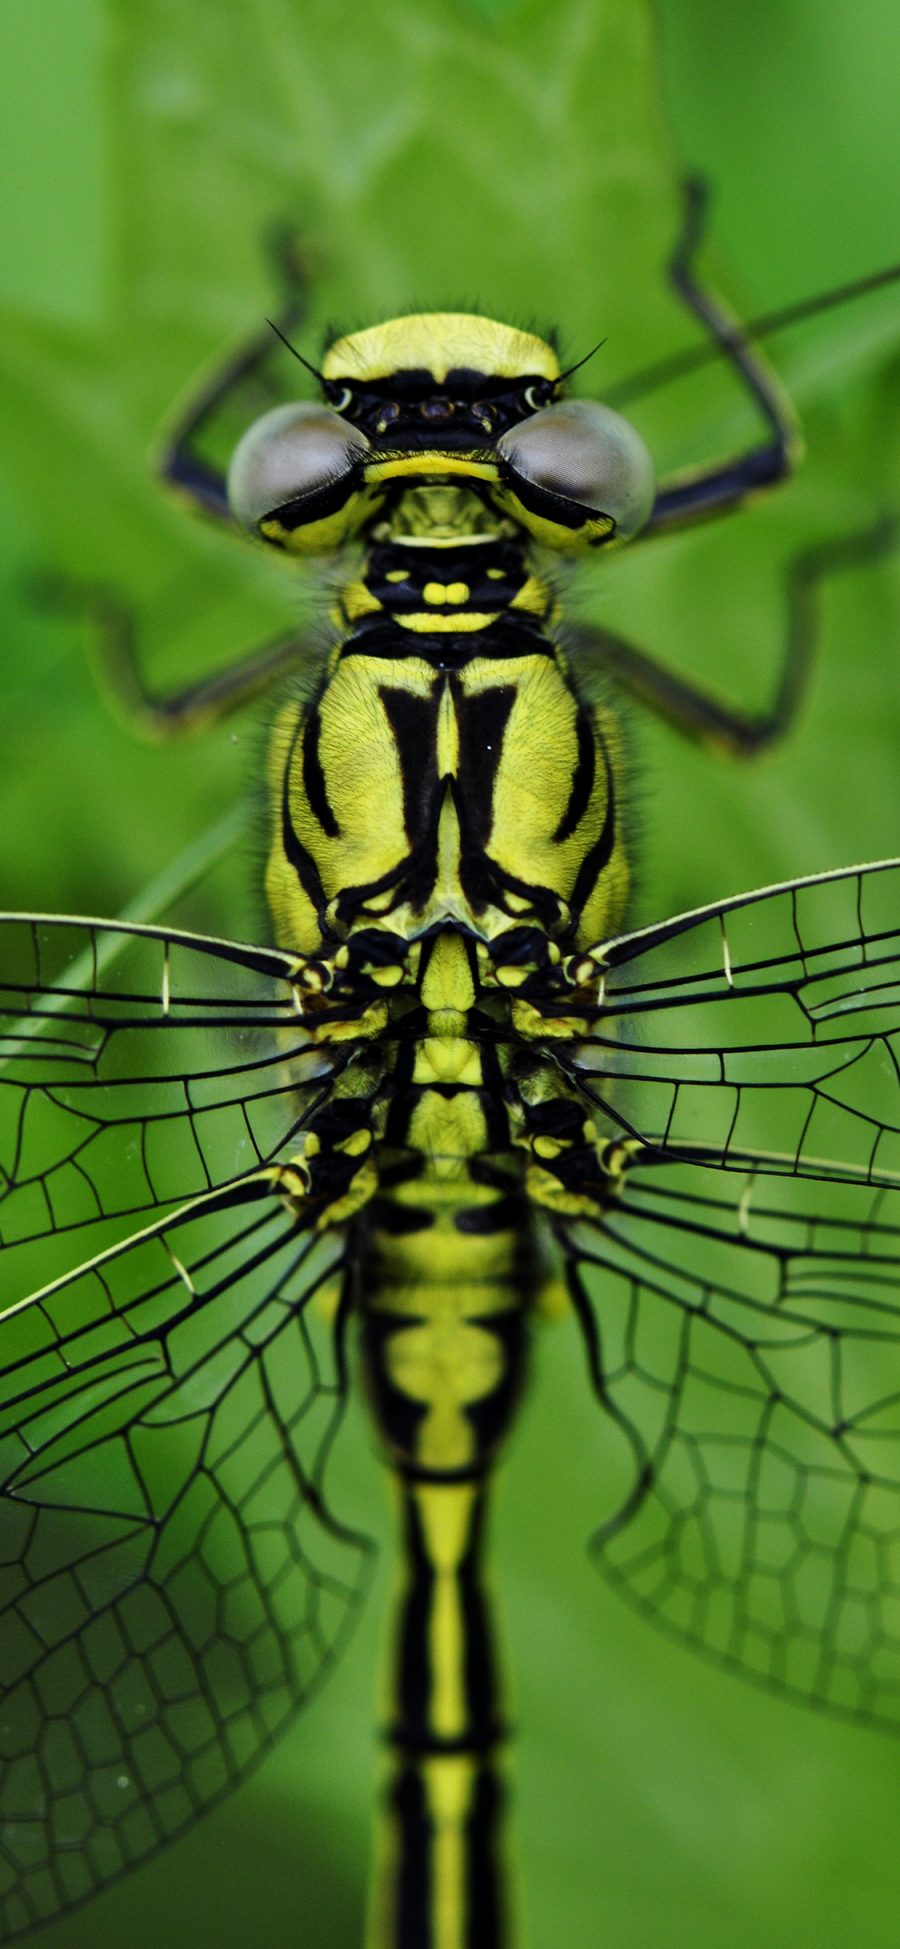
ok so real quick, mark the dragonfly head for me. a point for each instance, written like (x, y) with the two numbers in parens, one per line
(442, 397)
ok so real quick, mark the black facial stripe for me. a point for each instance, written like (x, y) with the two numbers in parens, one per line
(319, 503)
(547, 505)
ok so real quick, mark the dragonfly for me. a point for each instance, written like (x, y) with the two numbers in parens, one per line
(455, 1094)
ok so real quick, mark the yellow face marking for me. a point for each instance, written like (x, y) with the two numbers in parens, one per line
(446, 592)
(440, 342)
(436, 465)
(429, 624)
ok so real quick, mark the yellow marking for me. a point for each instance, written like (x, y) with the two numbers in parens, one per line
(432, 465)
(595, 529)
(429, 624)
(446, 1514)
(442, 1058)
(449, 1783)
(443, 514)
(396, 575)
(446, 592)
(323, 536)
(361, 1188)
(534, 596)
(438, 342)
(544, 1189)
(444, 1367)
(447, 737)
(447, 981)
(510, 976)
(359, 601)
(548, 1147)
(496, 574)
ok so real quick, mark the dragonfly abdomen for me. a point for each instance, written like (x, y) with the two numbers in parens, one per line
(439, 1879)
(446, 1302)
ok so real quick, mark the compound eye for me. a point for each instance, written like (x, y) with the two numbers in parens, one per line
(585, 452)
(287, 454)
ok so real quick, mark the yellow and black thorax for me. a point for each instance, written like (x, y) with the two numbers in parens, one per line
(448, 772)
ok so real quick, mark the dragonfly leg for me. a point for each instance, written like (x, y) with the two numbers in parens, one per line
(195, 707)
(186, 460)
(700, 492)
(711, 720)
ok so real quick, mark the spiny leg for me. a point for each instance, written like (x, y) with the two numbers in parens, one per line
(710, 720)
(249, 374)
(181, 713)
(699, 492)
(199, 478)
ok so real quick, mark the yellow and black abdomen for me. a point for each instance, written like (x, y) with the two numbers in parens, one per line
(445, 1305)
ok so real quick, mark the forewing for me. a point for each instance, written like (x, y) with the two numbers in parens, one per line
(174, 1585)
(768, 1024)
(138, 1067)
(746, 1345)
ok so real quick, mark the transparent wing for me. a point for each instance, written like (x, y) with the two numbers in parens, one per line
(745, 1340)
(768, 1023)
(173, 1585)
(138, 1067)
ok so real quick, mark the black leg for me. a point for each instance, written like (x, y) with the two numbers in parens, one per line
(700, 492)
(707, 719)
(197, 706)
(194, 451)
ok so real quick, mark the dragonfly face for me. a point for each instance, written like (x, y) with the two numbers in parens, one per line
(452, 1081)
(448, 398)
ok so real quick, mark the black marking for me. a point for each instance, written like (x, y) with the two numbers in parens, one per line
(512, 634)
(491, 1416)
(315, 506)
(314, 778)
(296, 854)
(413, 722)
(582, 780)
(471, 565)
(601, 852)
(399, 1221)
(559, 1118)
(557, 508)
(483, 718)
(480, 1221)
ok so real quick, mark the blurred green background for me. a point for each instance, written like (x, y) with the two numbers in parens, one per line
(522, 156)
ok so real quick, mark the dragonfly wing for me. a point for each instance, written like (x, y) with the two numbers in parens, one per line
(175, 1585)
(766, 1024)
(138, 1067)
(745, 1340)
